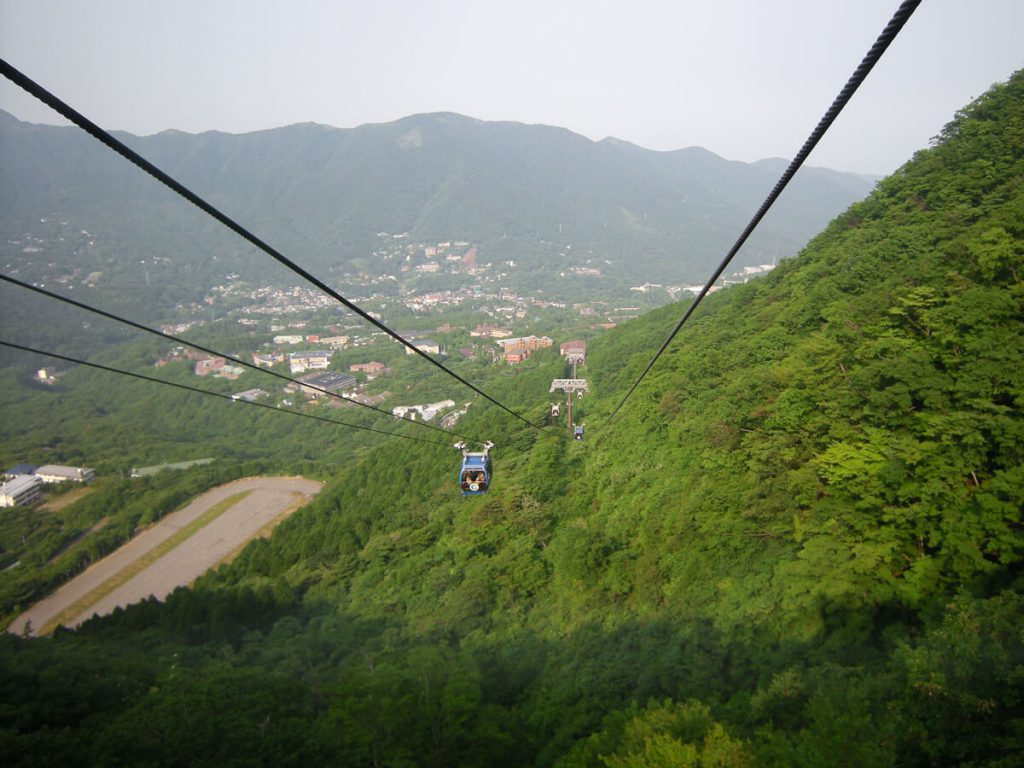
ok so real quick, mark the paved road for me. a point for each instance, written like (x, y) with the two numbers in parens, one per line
(270, 497)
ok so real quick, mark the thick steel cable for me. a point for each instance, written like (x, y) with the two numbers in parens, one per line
(239, 361)
(230, 398)
(29, 85)
(887, 35)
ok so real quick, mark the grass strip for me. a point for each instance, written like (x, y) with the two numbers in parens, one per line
(138, 566)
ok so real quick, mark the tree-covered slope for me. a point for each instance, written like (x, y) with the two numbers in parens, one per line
(798, 544)
(863, 402)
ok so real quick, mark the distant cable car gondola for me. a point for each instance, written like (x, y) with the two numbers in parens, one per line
(577, 431)
(475, 472)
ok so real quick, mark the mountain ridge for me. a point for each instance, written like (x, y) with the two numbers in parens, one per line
(506, 186)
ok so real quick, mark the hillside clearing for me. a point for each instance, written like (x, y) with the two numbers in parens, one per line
(57, 503)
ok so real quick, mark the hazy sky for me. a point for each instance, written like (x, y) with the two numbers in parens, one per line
(746, 79)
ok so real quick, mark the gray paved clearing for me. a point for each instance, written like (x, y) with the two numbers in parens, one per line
(270, 497)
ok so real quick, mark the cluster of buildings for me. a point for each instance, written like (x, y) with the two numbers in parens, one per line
(314, 385)
(426, 301)
(23, 482)
(453, 256)
(517, 349)
(203, 364)
(334, 342)
(298, 362)
(178, 353)
(269, 300)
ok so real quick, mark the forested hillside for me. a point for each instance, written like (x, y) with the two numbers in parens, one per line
(798, 544)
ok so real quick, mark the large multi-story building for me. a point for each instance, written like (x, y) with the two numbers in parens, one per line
(207, 365)
(529, 343)
(332, 381)
(313, 360)
(334, 342)
(268, 360)
(58, 473)
(22, 489)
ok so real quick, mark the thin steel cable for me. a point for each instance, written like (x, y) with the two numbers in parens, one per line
(887, 35)
(239, 361)
(187, 388)
(29, 85)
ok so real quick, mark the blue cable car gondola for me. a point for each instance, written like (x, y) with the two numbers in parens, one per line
(577, 431)
(475, 472)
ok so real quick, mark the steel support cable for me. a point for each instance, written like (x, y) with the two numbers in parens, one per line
(230, 398)
(239, 361)
(886, 37)
(29, 85)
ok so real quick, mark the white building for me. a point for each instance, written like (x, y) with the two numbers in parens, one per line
(425, 345)
(289, 339)
(249, 395)
(23, 489)
(57, 473)
(426, 412)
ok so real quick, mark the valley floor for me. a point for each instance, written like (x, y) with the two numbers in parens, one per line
(172, 553)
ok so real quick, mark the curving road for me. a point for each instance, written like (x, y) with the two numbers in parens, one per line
(269, 499)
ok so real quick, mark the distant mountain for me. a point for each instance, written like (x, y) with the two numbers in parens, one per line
(322, 194)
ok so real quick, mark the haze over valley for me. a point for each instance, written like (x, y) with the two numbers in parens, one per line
(354, 205)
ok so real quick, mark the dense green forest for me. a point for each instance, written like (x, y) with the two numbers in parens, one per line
(798, 544)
